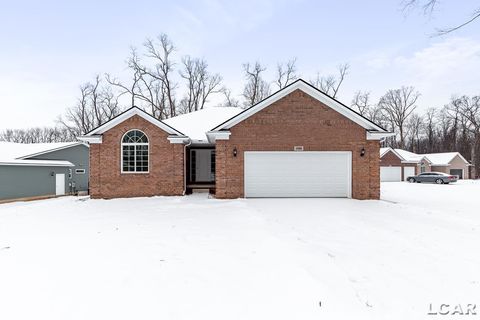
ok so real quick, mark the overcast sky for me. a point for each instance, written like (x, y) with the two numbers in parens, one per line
(48, 48)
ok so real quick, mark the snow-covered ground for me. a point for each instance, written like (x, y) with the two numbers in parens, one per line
(198, 258)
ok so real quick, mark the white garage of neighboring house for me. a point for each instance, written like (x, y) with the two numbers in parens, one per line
(40, 170)
(399, 164)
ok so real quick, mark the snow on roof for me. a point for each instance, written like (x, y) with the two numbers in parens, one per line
(439, 159)
(196, 124)
(11, 151)
(409, 156)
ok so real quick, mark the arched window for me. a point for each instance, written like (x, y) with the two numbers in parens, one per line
(135, 152)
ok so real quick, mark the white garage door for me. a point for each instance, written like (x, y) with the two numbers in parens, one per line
(408, 172)
(298, 174)
(390, 174)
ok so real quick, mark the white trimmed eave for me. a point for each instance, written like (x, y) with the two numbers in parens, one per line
(91, 139)
(374, 135)
(313, 92)
(178, 139)
(218, 135)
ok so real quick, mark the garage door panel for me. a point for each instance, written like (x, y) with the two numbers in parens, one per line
(408, 172)
(390, 174)
(297, 174)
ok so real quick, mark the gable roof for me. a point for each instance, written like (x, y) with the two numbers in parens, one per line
(384, 151)
(409, 156)
(52, 148)
(128, 114)
(17, 154)
(196, 124)
(311, 91)
(444, 158)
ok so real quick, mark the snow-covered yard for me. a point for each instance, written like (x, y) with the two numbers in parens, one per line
(198, 258)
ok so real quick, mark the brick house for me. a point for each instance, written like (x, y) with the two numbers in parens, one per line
(298, 142)
(398, 164)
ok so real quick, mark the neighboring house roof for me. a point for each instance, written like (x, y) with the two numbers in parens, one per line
(383, 151)
(196, 124)
(311, 91)
(435, 159)
(12, 153)
(443, 159)
(409, 156)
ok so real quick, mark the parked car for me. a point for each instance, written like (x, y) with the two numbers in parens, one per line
(434, 177)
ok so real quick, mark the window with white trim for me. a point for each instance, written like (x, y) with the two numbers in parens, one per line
(135, 152)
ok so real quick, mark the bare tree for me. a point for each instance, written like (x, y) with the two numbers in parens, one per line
(399, 105)
(256, 88)
(37, 135)
(97, 104)
(414, 126)
(469, 107)
(430, 125)
(286, 73)
(429, 6)
(200, 84)
(331, 84)
(229, 100)
(362, 102)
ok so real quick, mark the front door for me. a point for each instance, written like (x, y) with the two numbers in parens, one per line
(60, 184)
(202, 165)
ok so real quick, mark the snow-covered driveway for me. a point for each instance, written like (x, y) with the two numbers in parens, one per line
(198, 258)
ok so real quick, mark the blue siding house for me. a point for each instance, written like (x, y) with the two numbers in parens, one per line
(31, 171)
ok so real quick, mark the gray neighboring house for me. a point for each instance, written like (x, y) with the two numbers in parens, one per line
(40, 170)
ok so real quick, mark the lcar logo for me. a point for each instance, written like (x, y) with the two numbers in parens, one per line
(452, 309)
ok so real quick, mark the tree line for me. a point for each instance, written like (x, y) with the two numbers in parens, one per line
(164, 85)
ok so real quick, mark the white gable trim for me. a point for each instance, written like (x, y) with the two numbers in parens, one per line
(394, 152)
(134, 111)
(311, 91)
(73, 144)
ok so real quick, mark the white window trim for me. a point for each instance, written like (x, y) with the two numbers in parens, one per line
(134, 144)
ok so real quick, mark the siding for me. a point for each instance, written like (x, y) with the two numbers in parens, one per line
(77, 155)
(29, 181)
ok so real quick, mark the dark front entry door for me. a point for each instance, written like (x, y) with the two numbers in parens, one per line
(202, 165)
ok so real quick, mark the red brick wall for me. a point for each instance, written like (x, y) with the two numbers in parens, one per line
(298, 120)
(166, 168)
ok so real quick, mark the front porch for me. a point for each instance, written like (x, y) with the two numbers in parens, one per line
(200, 168)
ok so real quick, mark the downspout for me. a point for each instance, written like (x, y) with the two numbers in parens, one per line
(185, 165)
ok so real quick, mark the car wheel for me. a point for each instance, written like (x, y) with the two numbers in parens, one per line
(411, 180)
(439, 181)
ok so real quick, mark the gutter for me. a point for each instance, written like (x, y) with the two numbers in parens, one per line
(185, 165)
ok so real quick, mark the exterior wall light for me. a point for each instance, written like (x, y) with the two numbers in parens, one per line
(362, 153)
(235, 151)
